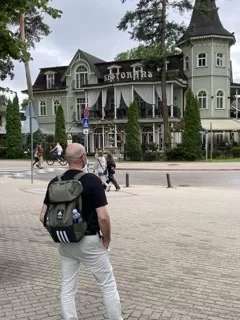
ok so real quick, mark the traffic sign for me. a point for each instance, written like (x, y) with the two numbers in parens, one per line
(30, 111)
(86, 112)
(85, 131)
(85, 123)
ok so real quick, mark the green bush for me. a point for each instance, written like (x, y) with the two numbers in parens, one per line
(235, 152)
(177, 153)
(152, 156)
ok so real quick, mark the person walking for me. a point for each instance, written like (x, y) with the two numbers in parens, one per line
(38, 156)
(36, 159)
(92, 250)
(100, 167)
(111, 168)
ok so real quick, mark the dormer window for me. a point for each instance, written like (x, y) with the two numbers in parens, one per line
(50, 80)
(81, 76)
(186, 63)
(202, 60)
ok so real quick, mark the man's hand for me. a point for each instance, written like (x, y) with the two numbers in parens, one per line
(42, 213)
(105, 243)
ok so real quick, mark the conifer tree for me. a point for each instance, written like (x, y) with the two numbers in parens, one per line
(191, 136)
(60, 128)
(133, 144)
(13, 130)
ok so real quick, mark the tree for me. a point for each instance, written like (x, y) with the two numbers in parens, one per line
(24, 104)
(133, 144)
(13, 130)
(11, 46)
(149, 24)
(142, 52)
(60, 130)
(192, 125)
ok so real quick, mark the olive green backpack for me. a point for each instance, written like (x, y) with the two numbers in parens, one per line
(64, 219)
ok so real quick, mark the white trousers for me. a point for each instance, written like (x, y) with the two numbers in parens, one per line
(91, 252)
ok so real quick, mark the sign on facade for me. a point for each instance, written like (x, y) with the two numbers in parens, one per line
(129, 75)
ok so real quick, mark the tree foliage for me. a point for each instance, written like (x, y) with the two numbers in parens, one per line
(149, 23)
(133, 144)
(60, 129)
(11, 46)
(13, 130)
(192, 125)
(24, 104)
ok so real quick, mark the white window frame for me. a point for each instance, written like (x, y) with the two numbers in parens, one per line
(220, 61)
(78, 76)
(201, 58)
(80, 105)
(54, 109)
(220, 100)
(186, 63)
(40, 107)
(201, 99)
(50, 80)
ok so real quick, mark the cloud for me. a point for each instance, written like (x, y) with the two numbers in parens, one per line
(91, 26)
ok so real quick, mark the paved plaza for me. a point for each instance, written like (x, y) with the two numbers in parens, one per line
(175, 253)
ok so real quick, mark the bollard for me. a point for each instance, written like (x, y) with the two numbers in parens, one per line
(169, 185)
(127, 180)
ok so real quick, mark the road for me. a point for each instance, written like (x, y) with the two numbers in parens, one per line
(140, 177)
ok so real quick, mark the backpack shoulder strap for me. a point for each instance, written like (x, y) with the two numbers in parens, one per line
(79, 175)
(59, 178)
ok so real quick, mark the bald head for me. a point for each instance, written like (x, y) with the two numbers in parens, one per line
(74, 153)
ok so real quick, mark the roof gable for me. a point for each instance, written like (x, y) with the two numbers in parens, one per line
(84, 56)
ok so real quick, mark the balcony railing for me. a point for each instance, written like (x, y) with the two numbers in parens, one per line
(78, 84)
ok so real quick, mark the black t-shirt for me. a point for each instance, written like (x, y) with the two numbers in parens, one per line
(93, 196)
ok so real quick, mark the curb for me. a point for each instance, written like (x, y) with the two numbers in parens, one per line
(178, 170)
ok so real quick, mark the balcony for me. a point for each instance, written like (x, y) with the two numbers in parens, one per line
(78, 84)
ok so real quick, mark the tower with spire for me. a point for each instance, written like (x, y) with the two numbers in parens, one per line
(206, 58)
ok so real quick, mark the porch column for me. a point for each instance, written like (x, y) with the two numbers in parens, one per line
(182, 103)
(171, 101)
(92, 146)
(154, 102)
(103, 136)
(132, 93)
(154, 133)
(237, 103)
(115, 135)
(158, 141)
(115, 103)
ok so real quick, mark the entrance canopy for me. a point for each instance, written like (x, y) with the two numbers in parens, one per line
(218, 125)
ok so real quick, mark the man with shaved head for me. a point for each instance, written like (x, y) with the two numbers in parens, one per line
(93, 249)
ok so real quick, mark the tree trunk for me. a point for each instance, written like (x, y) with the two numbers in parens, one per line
(26, 63)
(166, 138)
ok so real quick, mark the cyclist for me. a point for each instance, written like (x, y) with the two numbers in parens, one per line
(57, 151)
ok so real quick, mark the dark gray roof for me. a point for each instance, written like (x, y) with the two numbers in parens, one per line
(92, 60)
(205, 21)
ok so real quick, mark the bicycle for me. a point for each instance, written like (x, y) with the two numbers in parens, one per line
(61, 160)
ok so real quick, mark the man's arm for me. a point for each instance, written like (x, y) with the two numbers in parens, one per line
(104, 224)
(42, 213)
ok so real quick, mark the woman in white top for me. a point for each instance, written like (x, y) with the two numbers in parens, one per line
(100, 167)
(57, 150)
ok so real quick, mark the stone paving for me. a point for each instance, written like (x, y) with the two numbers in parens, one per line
(175, 253)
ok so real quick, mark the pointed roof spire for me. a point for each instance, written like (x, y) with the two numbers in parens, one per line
(205, 21)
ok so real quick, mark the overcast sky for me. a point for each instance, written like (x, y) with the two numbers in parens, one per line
(90, 25)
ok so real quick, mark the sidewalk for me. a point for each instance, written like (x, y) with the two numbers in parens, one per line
(148, 166)
(175, 254)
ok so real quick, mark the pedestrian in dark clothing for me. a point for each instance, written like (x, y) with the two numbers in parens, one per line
(111, 168)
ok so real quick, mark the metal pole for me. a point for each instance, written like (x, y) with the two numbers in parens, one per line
(211, 150)
(31, 134)
(87, 141)
(127, 180)
(169, 185)
(206, 145)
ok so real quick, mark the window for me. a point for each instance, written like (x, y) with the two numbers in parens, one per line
(50, 80)
(186, 63)
(56, 104)
(220, 59)
(81, 102)
(220, 98)
(202, 60)
(81, 77)
(202, 99)
(42, 108)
